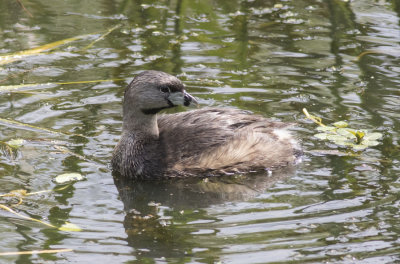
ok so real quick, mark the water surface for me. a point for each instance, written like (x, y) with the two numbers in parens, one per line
(338, 59)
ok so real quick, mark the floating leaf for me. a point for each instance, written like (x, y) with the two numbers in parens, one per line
(369, 143)
(336, 137)
(348, 133)
(340, 124)
(326, 128)
(23, 216)
(358, 134)
(322, 136)
(342, 143)
(359, 147)
(69, 227)
(373, 136)
(16, 142)
(341, 135)
(68, 177)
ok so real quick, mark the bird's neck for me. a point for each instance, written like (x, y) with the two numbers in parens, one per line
(140, 124)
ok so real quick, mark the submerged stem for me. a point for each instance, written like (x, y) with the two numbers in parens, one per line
(315, 119)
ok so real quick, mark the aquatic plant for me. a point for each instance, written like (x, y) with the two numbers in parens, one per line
(342, 135)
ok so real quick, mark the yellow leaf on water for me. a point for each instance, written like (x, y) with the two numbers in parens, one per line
(68, 177)
(46, 251)
(18, 142)
(23, 216)
(340, 124)
(69, 227)
(5, 59)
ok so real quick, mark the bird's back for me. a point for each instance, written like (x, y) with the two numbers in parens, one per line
(220, 140)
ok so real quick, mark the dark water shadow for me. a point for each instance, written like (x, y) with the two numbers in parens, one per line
(155, 223)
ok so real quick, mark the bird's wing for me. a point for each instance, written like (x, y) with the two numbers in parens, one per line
(190, 137)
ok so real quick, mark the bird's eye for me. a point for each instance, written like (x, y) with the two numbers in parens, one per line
(165, 89)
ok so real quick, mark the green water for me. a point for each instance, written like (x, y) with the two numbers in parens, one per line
(273, 58)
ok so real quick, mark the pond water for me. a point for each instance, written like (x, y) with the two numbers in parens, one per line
(339, 59)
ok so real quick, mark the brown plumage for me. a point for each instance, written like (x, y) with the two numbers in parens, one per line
(204, 142)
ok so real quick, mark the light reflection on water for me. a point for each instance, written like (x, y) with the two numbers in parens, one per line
(272, 58)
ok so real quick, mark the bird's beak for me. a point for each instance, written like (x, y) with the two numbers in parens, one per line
(188, 99)
(182, 98)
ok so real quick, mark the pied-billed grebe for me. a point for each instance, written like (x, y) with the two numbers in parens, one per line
(203, 142)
